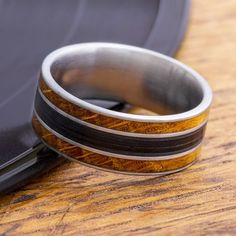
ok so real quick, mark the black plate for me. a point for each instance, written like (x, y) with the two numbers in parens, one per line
(29, 30)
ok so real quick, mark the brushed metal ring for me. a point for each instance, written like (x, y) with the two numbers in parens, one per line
(116, 141)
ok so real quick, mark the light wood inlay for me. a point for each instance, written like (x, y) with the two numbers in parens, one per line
(118, 124)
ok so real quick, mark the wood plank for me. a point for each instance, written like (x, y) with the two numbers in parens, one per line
(77, 200)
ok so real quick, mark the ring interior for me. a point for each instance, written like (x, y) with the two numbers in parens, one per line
(137, 78)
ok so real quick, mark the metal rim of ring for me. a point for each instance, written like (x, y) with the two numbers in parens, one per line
(79, 48)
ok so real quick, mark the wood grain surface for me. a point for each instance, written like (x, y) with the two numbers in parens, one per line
(77, 200)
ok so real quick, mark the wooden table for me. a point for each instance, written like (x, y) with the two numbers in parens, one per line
(77, 200)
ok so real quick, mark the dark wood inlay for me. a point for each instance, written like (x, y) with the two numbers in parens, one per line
(114, 143)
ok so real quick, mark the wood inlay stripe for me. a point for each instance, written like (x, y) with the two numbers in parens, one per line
(114, 143)
(118, 124)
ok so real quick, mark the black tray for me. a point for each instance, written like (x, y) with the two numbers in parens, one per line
(29, 30)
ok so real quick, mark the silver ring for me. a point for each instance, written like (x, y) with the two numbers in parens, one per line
(141, 144)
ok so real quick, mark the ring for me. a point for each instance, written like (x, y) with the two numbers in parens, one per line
(68, 122)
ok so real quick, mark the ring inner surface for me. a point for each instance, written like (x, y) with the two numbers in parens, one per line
(139, 79)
